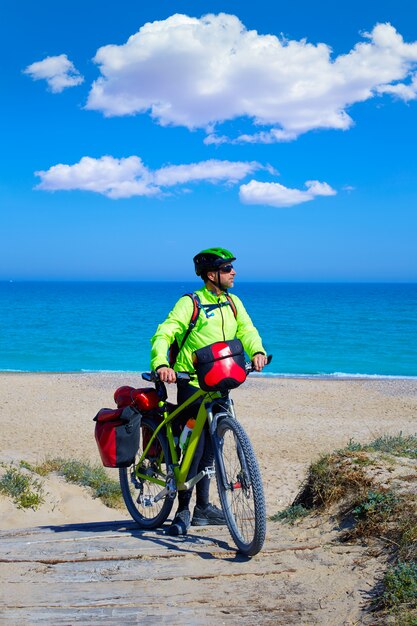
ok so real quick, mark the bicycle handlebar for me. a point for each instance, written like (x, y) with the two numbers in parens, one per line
(153, 377)
(249, 364)
(185, 376)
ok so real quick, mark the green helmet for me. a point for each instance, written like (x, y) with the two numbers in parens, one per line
(211, 259)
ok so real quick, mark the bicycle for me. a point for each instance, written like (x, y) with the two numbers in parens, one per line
(149, 486)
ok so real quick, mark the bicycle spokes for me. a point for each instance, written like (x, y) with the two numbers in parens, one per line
(146, 485)
(240, 488)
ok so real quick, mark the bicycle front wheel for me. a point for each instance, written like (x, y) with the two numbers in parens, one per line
(240, 487)
(139, 489)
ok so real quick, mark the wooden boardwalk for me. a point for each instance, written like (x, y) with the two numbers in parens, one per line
(114, 573)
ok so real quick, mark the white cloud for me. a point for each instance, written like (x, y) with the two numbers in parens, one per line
(124, 178)
(199, 73)
(401, 90)
(274, 194)
(58, 71)
(128, 177)
(211, 170)
(115, 178)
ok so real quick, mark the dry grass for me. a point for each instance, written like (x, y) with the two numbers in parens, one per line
(376, 498)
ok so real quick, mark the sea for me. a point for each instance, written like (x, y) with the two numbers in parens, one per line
(311, 329)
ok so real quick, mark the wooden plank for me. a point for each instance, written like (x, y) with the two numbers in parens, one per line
(116, 574)
(146, 600)
(81, 545)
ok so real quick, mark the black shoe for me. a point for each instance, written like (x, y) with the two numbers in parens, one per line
(180, 523)
(208, 515)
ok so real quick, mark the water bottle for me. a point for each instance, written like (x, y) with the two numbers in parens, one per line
(186, 434)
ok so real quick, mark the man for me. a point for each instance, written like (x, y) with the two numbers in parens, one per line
(221, 318)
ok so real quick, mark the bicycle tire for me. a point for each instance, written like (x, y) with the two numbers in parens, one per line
(241, 492)
(138, 493)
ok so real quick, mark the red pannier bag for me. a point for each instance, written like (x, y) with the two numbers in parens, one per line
(220, 366)
(143, 399)
(117, 434)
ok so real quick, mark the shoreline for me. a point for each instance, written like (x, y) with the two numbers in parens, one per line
(314, 377)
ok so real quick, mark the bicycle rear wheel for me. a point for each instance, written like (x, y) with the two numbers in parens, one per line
(240, 488)
(139, 493)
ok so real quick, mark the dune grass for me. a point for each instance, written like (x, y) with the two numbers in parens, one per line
(291, 514)
(398, 445)
(85, 474)
(374, 512)
(25, 490)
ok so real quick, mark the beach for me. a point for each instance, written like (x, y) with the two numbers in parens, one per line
(75, 559)
(291, 422)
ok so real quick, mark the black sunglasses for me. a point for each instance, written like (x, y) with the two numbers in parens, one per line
(226, 269)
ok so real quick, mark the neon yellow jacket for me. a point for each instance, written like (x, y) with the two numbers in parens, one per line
(219, 325)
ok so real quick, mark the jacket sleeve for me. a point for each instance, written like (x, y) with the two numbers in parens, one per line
(173, 327)
(246, 331)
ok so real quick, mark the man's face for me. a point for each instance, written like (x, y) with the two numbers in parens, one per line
(227, 278)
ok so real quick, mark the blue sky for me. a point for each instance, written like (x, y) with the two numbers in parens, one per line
(285, 132)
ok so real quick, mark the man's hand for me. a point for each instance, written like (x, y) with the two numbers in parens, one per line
(167, 375)
(259, 361)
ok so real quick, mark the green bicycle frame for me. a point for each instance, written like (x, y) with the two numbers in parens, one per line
(180, 469)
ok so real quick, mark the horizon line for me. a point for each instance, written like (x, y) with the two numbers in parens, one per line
(105, 281)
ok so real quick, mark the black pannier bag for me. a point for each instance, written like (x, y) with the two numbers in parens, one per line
(117, 435)
(220, 366)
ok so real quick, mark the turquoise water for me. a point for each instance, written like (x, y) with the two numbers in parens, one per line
(311, 329)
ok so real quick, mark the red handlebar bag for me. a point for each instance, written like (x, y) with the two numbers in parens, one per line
(220, 366)
(117, 435)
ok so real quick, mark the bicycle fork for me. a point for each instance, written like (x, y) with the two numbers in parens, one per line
(213, 421)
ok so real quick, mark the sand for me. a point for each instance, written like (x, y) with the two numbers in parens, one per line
(291, 422)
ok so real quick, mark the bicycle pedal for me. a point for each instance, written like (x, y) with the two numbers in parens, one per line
(210, 471)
